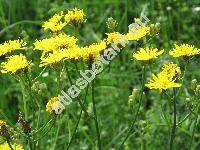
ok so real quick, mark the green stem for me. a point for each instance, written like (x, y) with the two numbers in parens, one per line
(79, 101)
(95, 117)
(74, 132)
(195, 125)
(79, 118)
(137, 112)
(58, 81)
(30, 143)
(23, 87)
(173, 132)
(183, 79)
(9, 144)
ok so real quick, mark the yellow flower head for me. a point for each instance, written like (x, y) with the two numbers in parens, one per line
(171, 69)
(52, 58)
(75, 16)
(11, 45)
(15, 63)
(75, 53)
(137, 34)
(114, 37)
(15, 146)
(59, 42)
(93, 51)
(146, 54)
(162, 82)
(166, 78)
(55, 23)
(54, 106)
(184, 50)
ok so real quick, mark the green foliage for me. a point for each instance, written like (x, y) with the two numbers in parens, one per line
(179, 23)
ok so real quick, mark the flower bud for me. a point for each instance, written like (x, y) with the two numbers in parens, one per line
(193, 84)
(130, 100)
(152, 29)
(111, 23)
(188, 102)
(198, 89)
(31, 67)
(157, 27)
(43, 86)
(135, 93)
(35, 86)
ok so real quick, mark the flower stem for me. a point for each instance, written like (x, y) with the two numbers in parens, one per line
(173, 132)
(77, 123)
(137, 112)
(195, 125)
(9, 144)
(95, 117)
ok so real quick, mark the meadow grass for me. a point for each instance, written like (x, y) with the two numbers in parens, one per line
(152, 128)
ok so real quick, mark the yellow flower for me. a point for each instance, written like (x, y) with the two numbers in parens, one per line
(75, 16)
(15, 146)
(55, 23)
(114, 37)
(145, 54)
(75, 53)
(10, 46)
(59, 42)
(138, 33)
(52, 58)
(93, 51)
(184, 50)
(54, 106)
(171, 69)
(162, 82)
(15, 63)
(166, 78)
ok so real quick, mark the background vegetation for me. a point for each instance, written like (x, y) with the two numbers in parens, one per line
(180, 22)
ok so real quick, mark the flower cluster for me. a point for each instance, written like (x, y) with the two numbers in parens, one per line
(55, 43)
(59, 21)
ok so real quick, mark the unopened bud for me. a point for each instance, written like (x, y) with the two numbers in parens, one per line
(111, 23)
(193, 84)
(157, 27)
(154, 28)
(188, 102)
(198, 89)
(35, 86)
(130, 100)
(31, 67)
(43, 86)
(135, 93)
